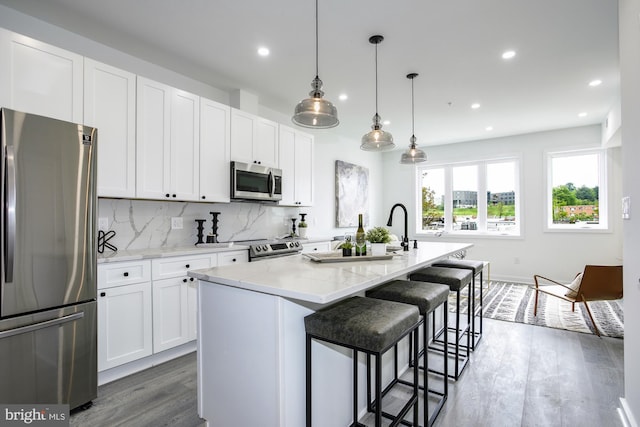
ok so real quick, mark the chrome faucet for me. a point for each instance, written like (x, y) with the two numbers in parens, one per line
(405, 238)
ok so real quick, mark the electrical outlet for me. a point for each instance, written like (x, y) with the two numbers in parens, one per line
(176, 223)
(103, 224)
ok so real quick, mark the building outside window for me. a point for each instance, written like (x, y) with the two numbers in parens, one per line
(576, 190)
(470, 198)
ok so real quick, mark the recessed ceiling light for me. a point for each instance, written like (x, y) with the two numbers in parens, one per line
(596, 82)
(508, 54)
(489, 128)
(475, 106)
(263, 51)
(583, 114)
(343, 97)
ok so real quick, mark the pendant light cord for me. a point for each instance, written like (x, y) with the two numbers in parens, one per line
(317, 39)
(377, 78)
(413, 132)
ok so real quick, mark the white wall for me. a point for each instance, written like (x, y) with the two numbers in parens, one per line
(557, 255)
(629, 14)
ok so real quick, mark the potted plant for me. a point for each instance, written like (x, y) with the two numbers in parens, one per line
(346, 248)
(379, 237)
(302, 229)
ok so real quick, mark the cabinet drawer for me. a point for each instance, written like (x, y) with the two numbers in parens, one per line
(229, 258)
(164, 268)
(123, 273)
(316, 247)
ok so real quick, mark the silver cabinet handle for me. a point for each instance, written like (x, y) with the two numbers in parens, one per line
(10, 214)
(41, 325)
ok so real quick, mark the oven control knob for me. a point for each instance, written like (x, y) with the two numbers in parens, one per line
(264, 247)
(297, 244)
(258, 248)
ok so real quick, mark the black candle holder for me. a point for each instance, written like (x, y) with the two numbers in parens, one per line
(200, 231)
(214, 228)
(293, 227)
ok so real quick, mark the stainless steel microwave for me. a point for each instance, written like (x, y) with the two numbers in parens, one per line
(255, 182)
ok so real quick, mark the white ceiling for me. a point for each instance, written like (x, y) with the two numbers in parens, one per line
(454, 45)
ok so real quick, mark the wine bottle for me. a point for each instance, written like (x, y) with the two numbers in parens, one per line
(361, 247)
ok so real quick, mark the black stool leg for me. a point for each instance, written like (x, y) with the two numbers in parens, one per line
(355, 387)
(308, 375)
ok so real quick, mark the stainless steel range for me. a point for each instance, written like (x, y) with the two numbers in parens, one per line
(265, 249)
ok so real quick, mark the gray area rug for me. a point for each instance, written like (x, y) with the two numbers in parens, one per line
(514, 302)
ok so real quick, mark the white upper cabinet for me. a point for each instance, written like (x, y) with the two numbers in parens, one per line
(296, 162)
(110, 106)
(167, 148)
(253, 139)
(39, 78)
(215, 151)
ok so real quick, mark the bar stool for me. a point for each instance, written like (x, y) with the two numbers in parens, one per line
(456, 279)
(476, 267)
(427, 297)
(371, 326)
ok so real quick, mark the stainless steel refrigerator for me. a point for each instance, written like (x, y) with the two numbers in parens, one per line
(48, 342)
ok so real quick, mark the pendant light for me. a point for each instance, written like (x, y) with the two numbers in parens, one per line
(413, 154)
(316, 112)
(377, 139)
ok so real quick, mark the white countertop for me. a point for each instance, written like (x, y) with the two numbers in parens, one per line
(298, 277)
(134, 255)
(138, 254)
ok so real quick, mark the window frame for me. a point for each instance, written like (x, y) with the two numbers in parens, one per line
(604, 223)
(482, 201)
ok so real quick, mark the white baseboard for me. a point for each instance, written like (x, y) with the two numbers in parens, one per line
(628, 420)
(512, 279)
(122, 371)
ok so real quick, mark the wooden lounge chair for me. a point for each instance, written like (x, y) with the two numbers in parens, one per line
(595, 283)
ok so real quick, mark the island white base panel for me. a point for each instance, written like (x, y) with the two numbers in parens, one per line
(251, 363)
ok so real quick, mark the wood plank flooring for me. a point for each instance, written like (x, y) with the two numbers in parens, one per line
(520, 375)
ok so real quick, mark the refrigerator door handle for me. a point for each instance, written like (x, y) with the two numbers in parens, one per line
(41, 325)
(10, 214)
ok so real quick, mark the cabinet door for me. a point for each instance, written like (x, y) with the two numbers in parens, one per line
(124, 324)
(192, 310)
(170, 308)
(110, 105)
(185, 144)
(286, 141)
(242, 136)
(265, 144)
(215, 155)
(39, 78)
(304, 169)
(153, 140)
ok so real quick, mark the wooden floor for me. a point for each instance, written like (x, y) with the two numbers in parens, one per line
(519, 375)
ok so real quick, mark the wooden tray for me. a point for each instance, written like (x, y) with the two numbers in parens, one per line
(337, 257)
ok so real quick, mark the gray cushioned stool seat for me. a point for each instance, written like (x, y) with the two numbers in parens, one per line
(426, 296)
(455, 278)
(476, 266)
(366, 323)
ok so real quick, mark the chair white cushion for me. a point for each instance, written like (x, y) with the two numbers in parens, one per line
(574, 286)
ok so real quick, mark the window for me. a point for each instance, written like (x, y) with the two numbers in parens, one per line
(470, 198)
(576, 190)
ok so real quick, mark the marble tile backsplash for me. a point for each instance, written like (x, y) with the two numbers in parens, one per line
(144, 224)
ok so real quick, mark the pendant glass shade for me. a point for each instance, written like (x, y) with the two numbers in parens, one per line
(413, 154)
(377, 139)
(316, 112)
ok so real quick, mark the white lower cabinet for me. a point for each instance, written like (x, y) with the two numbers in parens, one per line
(124, 313)
(149, 306)
(170, 313)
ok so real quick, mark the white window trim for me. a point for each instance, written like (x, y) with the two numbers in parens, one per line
(482, 195)
(604, 225)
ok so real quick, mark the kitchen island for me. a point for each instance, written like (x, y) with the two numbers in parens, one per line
(251, 339)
